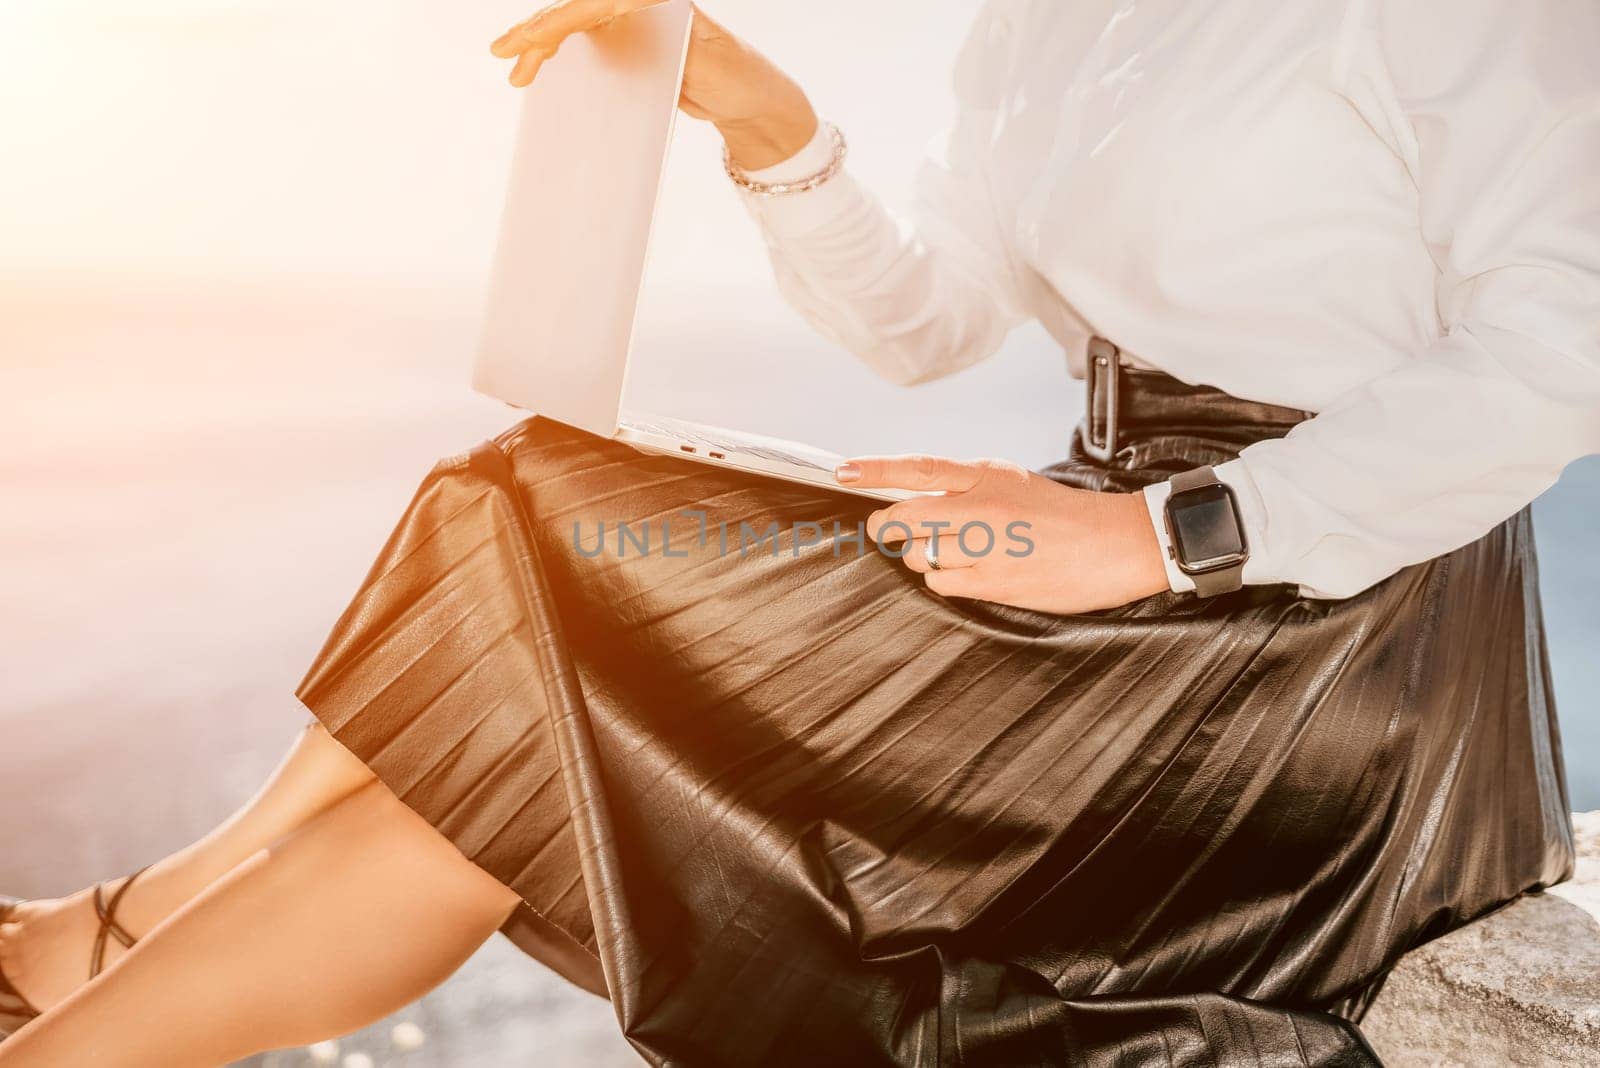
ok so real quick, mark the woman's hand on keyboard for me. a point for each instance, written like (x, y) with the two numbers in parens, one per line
(1007, 535)
(762, 114)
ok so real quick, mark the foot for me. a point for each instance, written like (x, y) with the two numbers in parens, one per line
(45, 946)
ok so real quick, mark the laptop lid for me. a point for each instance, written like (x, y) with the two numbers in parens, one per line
(591, 149)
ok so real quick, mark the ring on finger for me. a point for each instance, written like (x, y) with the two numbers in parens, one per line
(931, 554)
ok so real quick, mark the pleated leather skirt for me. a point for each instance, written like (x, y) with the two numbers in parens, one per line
(785, 806)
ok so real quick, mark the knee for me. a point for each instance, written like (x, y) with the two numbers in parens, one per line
(373, 803)
(336, 768)
(376, 829)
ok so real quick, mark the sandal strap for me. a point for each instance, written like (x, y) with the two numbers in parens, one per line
(109, 927)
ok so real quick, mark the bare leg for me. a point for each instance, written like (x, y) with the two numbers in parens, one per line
(45, 952)
(358, 913)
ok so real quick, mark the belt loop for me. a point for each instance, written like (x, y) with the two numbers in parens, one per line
(1104, 362)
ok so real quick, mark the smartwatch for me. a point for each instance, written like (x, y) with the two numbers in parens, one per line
(1204, 532)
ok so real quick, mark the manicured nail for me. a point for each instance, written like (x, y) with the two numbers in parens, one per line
(847, 473)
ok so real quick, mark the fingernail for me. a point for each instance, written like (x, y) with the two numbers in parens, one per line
(847, 473)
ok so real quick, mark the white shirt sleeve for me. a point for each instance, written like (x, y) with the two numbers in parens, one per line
(915, 300)
(1498, 119)
(1496, 116)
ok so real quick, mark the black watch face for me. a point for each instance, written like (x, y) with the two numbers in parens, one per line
(1205, 528)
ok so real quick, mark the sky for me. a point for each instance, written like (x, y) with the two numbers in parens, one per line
(358, 138)
(192, 146)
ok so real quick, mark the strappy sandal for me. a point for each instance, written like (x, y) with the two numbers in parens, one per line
(14, 1008)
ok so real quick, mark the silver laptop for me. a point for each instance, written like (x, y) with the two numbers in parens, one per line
(558, 333)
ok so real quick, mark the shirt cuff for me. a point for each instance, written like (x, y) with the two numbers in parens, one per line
(797, 214)
(1155, 498)
(817, 154)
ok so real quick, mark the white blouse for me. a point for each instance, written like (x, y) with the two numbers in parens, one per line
(1387, 213)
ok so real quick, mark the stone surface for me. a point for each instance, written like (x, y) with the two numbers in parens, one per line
(1519, 987)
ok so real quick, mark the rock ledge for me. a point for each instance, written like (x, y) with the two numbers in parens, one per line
(1520, 987)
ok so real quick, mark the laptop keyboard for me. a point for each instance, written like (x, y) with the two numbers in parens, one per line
(716, 439)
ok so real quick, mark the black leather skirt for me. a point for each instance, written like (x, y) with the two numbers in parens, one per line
(785, 806)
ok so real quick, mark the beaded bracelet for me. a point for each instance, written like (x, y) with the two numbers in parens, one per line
(778, 189)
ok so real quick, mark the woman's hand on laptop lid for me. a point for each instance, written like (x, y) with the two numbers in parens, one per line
(762, 114)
